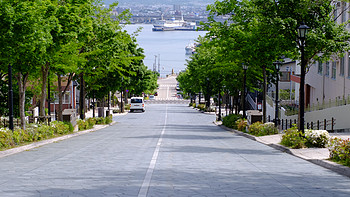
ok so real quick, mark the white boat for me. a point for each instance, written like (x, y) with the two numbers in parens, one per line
(190, 48)
(173, 24)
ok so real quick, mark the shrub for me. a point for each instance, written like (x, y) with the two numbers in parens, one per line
(230, 121)
(43, 132)
(5, 138)
(100, 120)
(90, 123)
(293, 138)
(201, 107)
(70, 126)
(127, 107)
(268, 129)
(60, 128)
(115, 111)
(82, 125)
(109, 119)
(339, 150)
(241, 124)
(20, 136)
(316, 138)
(255, 128)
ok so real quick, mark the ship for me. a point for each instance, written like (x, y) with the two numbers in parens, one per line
(190, 48)
(173, 25)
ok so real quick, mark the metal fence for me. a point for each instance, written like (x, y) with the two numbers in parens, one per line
(319, 124)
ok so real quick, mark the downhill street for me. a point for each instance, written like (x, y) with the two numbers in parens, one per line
(170, 150)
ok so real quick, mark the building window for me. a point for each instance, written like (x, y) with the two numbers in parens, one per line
(327, 69)
(320, 68)
(65, 99)
(341, 72)
(334, 70)
(285, 76)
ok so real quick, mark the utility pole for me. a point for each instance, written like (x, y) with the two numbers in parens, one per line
(159, 63)
(155, 64)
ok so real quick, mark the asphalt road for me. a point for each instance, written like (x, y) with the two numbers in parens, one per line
(170, 150)
(166, 90)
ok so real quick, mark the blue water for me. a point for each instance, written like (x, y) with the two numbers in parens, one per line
(169, 45)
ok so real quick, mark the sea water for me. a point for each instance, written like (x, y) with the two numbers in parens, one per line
(165, 49)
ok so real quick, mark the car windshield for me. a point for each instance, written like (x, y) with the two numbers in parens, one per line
(136, 100)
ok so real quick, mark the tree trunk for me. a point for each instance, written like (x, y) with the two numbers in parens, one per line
(44, 74)
(60, 98)
(264, 94)
(81, 97)
(22, 80)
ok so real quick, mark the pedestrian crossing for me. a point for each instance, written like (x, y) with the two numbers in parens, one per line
(168, 101)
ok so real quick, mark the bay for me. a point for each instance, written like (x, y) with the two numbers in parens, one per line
(166, 46)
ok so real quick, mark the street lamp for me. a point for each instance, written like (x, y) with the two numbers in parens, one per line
(10, 97)
(278, 66)
(302, 32)
(245, 67)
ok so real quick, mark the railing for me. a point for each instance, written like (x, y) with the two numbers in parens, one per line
(319, 124)
(292, 109)
(4, 122)
(252, 102)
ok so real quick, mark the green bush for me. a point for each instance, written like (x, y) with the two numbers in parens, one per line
(339, 150)
(109, 119)
(241, 124)
(201, 107)
(255, 128)
(70, 126)
(260, 129)
(90, 123)
(127, 107)
(268, 129)
(316, 138)
(230, 121)
(60, 128)
(100, 120)
(6, 138)
(293, 138)
(82, 125)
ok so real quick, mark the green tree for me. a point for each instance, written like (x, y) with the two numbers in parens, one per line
(24, 37)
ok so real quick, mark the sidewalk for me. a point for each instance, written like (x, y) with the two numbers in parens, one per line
(52, 140)
(317, 156)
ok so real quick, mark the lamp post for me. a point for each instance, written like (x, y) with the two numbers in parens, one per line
(10, 97)
(278, 66)
(302, 32)
(245, 67)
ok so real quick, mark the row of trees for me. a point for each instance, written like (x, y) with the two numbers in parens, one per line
(258, 33)
(80, 40)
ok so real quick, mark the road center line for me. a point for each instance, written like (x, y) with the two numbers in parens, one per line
(147, 181)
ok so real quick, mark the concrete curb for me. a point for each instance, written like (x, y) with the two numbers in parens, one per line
(49, 141)
(340, 169)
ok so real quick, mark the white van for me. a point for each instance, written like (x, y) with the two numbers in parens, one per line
(137, 103)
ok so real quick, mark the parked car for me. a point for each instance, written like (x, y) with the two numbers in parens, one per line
(151, 97)
(137, 103)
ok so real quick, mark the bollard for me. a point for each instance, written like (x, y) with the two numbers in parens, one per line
(325, 124)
